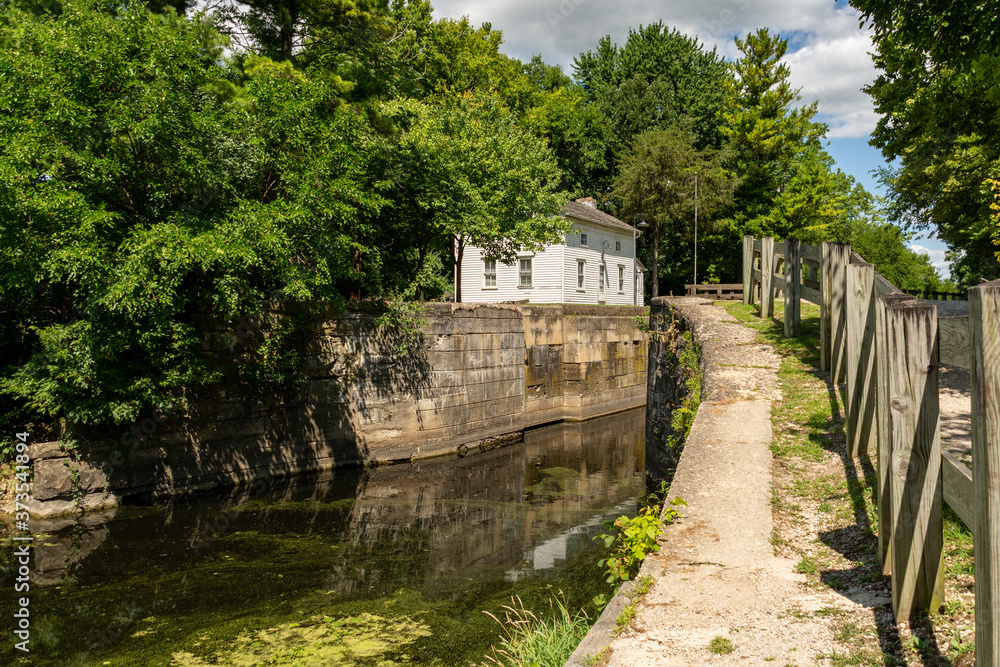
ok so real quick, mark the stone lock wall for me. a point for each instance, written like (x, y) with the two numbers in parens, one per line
(481, 374)
(582, 361)
(666, 383)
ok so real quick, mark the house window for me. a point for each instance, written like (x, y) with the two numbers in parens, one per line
(601, 285)
(525, 273)
(583, 239)
(579, 273)
(618, 246)
(621, 278)
(489, 273)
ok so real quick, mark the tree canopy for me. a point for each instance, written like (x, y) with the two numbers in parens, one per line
(938, 102)
(166, 169)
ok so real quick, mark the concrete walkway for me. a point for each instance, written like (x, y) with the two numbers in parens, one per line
(716, 575)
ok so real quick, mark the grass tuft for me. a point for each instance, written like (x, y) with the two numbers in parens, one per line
(530, 641)
(721, 646)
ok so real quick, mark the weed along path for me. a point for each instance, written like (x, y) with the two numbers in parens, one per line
(773, 560)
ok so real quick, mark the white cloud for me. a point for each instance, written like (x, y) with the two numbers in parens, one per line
(938, 261)
(828, 51)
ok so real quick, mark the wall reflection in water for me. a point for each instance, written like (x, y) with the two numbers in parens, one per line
(442, 528)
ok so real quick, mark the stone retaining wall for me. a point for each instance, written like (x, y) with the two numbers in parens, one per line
(480, 375)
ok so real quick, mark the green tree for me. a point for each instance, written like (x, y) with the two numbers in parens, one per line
(768, 137)
(462, 170)
(657, 78)
(657, 181)
(939, 107)
(144, 187)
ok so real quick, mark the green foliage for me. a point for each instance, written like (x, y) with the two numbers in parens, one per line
(116, 245)
(530, 641)
(634, 538)
(657, 77)
(463, 171)
(767, 135)
(721, 646)
(657, 182)
(938, 102)
(682, 418)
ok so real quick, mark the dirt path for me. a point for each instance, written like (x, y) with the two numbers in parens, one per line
(717, 577)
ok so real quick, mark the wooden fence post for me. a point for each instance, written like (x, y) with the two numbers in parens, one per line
(793, 281)
(883, 429)
(766, 277)
(840, 257)
(984, 335)
(915, 473)
(860, 406)
(824, 307)
(748, 269)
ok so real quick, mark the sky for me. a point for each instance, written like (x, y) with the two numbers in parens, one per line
(828, 54)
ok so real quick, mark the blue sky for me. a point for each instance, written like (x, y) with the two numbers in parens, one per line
(828, 53)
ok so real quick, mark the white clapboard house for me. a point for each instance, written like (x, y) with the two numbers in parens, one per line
(595, 264)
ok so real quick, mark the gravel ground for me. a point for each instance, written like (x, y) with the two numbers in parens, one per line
(956, 412)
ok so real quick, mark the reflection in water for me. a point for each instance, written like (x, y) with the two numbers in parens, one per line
(389, 565)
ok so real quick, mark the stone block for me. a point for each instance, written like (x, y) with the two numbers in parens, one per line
(45, 450)
(51, 479)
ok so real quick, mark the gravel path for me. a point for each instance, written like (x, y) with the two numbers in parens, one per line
(717, 575)
(956, 412)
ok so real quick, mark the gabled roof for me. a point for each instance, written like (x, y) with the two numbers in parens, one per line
(574, 209)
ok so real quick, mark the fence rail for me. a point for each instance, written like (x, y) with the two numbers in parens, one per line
(724, 292)
(888, 346)
(931, 295)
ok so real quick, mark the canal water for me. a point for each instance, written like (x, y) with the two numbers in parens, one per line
(392, 565)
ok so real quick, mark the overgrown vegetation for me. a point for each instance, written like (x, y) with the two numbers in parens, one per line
(633, 538)
(530, 641)
(688, 358)
(825, 515)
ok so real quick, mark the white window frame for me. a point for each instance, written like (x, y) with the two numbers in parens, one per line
(602, 280)
(521, 273)
(621, 278)
(489, 274)
(618, 246)
(583, 239)
(581, 275)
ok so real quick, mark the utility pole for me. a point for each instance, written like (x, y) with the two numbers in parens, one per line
(696, 230)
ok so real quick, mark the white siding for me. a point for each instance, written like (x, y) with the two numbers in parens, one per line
(597, 236)
(554, 271)
(546, 277)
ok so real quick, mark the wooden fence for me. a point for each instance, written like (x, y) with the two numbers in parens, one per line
(888, 346)
(937, 296)
(723, 292)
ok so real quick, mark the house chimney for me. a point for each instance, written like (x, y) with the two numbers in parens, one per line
(587, 201)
